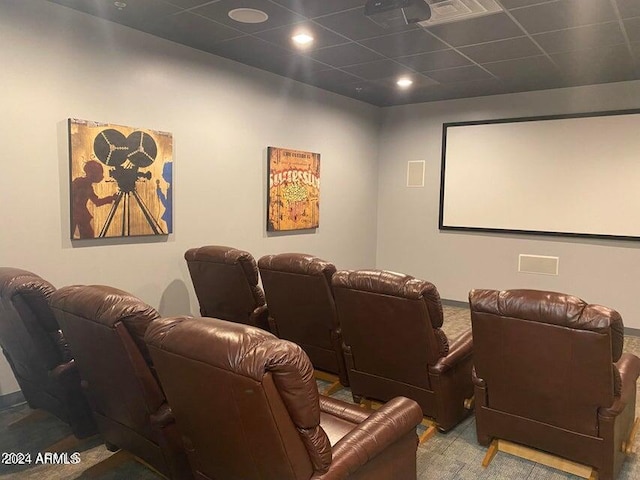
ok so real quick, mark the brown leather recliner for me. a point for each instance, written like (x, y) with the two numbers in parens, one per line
(302, 309)
(549, 373)
(37, 351)
(394, 346)
(105, 329)
(226, 283)
(248, 408)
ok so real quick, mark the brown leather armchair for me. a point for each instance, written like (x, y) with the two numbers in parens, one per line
(226, 283)
(105, 328)
(302, 309)
(248, 408)
(549, 373)
(37, 351)
(394, 345)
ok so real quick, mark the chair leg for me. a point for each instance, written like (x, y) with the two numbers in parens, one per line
(430, 430)
(544, 458)
(333, 388)
(627, 445)
(491, 452)
(469, 402)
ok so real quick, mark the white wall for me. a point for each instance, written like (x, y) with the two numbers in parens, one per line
(606, 272)
(58, 63)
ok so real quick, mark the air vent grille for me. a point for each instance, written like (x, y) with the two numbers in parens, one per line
(457, 10)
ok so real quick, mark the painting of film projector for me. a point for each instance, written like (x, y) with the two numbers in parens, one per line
(121, 180)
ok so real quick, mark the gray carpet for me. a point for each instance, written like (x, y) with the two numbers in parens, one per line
(455, 455)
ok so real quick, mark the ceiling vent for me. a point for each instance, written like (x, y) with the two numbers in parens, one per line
(457, 10)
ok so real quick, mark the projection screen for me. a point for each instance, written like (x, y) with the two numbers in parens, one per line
(576, 175)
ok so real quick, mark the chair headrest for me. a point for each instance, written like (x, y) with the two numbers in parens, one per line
(551, 308)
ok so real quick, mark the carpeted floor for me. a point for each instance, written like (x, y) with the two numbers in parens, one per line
(455, 455)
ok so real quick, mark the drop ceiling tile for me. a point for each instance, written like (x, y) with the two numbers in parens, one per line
(282, 36)
(133, 15)
(564, 14)
(187, 3)
(501, 50)
(477, 88)
(513, 85)
(632, 26)
(629, 8)
(253, 51)
(191, 30)
(579, 38)
(343, 55)
(477, 30)
(355, 25)
(434, 60)
(315, 8)
(405, 43)
(333, 77)
(278, 16)
(377, 70)
(533, 68)
(460, 74)
(614, 63)
(509, 4)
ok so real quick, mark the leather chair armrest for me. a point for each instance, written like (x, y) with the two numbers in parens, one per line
(629, 367)
(162, 417)
(345, 411)
(382, 428)
(461, 348)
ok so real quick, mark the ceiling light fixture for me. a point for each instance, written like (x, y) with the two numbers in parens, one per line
(120, 5)
(404, 82)
(248, 15)
(302, 39)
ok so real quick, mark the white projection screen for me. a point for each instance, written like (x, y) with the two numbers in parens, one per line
(576, 175)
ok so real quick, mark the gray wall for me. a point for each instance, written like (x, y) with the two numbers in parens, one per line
(58, 63)
(606, 272)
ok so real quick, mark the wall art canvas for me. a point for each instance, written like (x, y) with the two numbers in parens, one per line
(121, 180)
(293, 201)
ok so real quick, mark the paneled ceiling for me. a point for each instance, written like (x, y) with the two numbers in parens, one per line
(528, 45)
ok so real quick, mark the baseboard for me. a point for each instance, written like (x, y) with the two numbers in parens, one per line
(455, 303)
(635, 332)
(11, 399)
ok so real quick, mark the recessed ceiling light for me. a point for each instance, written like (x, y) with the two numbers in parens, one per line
(404, 82)
(302, 39)
(248, 15)
(120, 5)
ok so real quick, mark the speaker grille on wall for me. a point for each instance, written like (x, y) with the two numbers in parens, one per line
(415, 173)
(538, 264)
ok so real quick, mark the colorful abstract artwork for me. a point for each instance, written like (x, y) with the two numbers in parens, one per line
(121, 180)
(293, 201)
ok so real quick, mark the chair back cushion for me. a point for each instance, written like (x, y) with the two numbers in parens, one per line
(546, 356)
(246, 402)
(226, 282)
(105, 328)
(29, 332)
(391, 322)
(300, 300)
